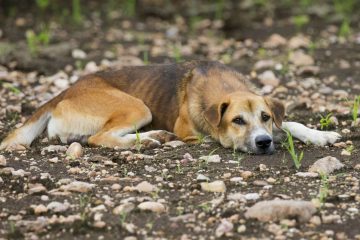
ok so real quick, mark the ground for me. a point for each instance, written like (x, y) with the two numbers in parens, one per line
(314, 68)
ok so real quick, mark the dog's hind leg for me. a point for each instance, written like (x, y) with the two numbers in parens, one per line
(308, 135)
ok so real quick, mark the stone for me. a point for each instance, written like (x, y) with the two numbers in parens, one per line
(40, 209)
(236, 197)
(246, 174)
(275, 210)
(211, 158)
(216, 186)
(269, 78)
(299, 58)
(2, 161)
(36, 188)
(78, 54)
(339, 93)
(263, 64)
(145, 186)
(152, 206)
(75, 150)
(78, 186)
(224, 227)
(326, 165)
(202, 178)
(274, 41)
(334, 218)
(308, 70)
(174, 144)
(123, 208)
(252, 196)
(58, 207)
(307, 174)
(298, 42)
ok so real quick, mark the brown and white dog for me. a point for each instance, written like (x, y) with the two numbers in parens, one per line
(189, 99)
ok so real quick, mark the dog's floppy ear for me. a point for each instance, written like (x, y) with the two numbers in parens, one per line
(214, 113)
(277, 109)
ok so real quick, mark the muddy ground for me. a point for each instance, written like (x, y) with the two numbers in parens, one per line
(325, 81)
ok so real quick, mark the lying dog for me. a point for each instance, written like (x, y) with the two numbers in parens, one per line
(189, 99)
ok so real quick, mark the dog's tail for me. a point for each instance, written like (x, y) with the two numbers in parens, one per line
(33, 127)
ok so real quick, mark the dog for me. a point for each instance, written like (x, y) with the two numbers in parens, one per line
(187, 100)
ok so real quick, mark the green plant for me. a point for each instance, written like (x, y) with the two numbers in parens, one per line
(122, 217)
(35, 40)
(219, 11)
(84, 200)
(355, 108)
(324, 188)
(345, 29)
(146, 57)
(312, 47)
(11, 87)
(177, 53)
(350, 148)
(300, 20)
(76, 11)
(138, 144)
(200, 138)
(129, 8)
(289, 144)
(206, 207)
(237, 157)
(179, 169)
(325, 121)
(42, 4)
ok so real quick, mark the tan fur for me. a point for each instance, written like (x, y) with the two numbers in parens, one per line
(188, 99)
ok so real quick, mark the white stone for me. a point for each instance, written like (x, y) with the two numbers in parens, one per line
(36, 188)
(252, 196)
(202, 178)
(78, 186)
(75, 150)
(58, 206)
(2, 161)
(39, 209)
(174, 144)
(274, 41)
(78, 54)
(145, 186)
(123, 208)
(224, 227)
(152, 206)
(307, 174)
(216, 186)
(211, 158)
(326, 165)
(275, 210)
(299, 58)
(269, 78)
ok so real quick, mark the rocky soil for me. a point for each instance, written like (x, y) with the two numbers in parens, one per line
(181, 191)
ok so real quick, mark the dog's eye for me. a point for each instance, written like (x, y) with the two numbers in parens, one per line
(239, 121)
(265, 117)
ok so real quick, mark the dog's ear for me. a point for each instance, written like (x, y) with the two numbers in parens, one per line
(278, 110)
(214, 113)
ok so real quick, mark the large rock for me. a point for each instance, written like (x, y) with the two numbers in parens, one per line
(216, 186)
(78, 186)
(276, 210)
(152, 206)
(326, 165)
(299, 58)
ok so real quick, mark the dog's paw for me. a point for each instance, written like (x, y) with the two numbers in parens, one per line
(149, 143)
(323, 138)
(12, 147)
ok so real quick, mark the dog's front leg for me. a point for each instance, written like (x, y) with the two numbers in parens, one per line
(308, 135)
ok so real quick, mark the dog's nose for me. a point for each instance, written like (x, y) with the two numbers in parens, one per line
(263, 141)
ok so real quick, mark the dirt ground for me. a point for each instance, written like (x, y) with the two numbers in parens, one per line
(316, 71)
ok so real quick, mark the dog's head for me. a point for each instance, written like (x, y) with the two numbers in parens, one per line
(244, 120)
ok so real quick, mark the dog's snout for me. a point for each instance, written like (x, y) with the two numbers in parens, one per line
(263, 141)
